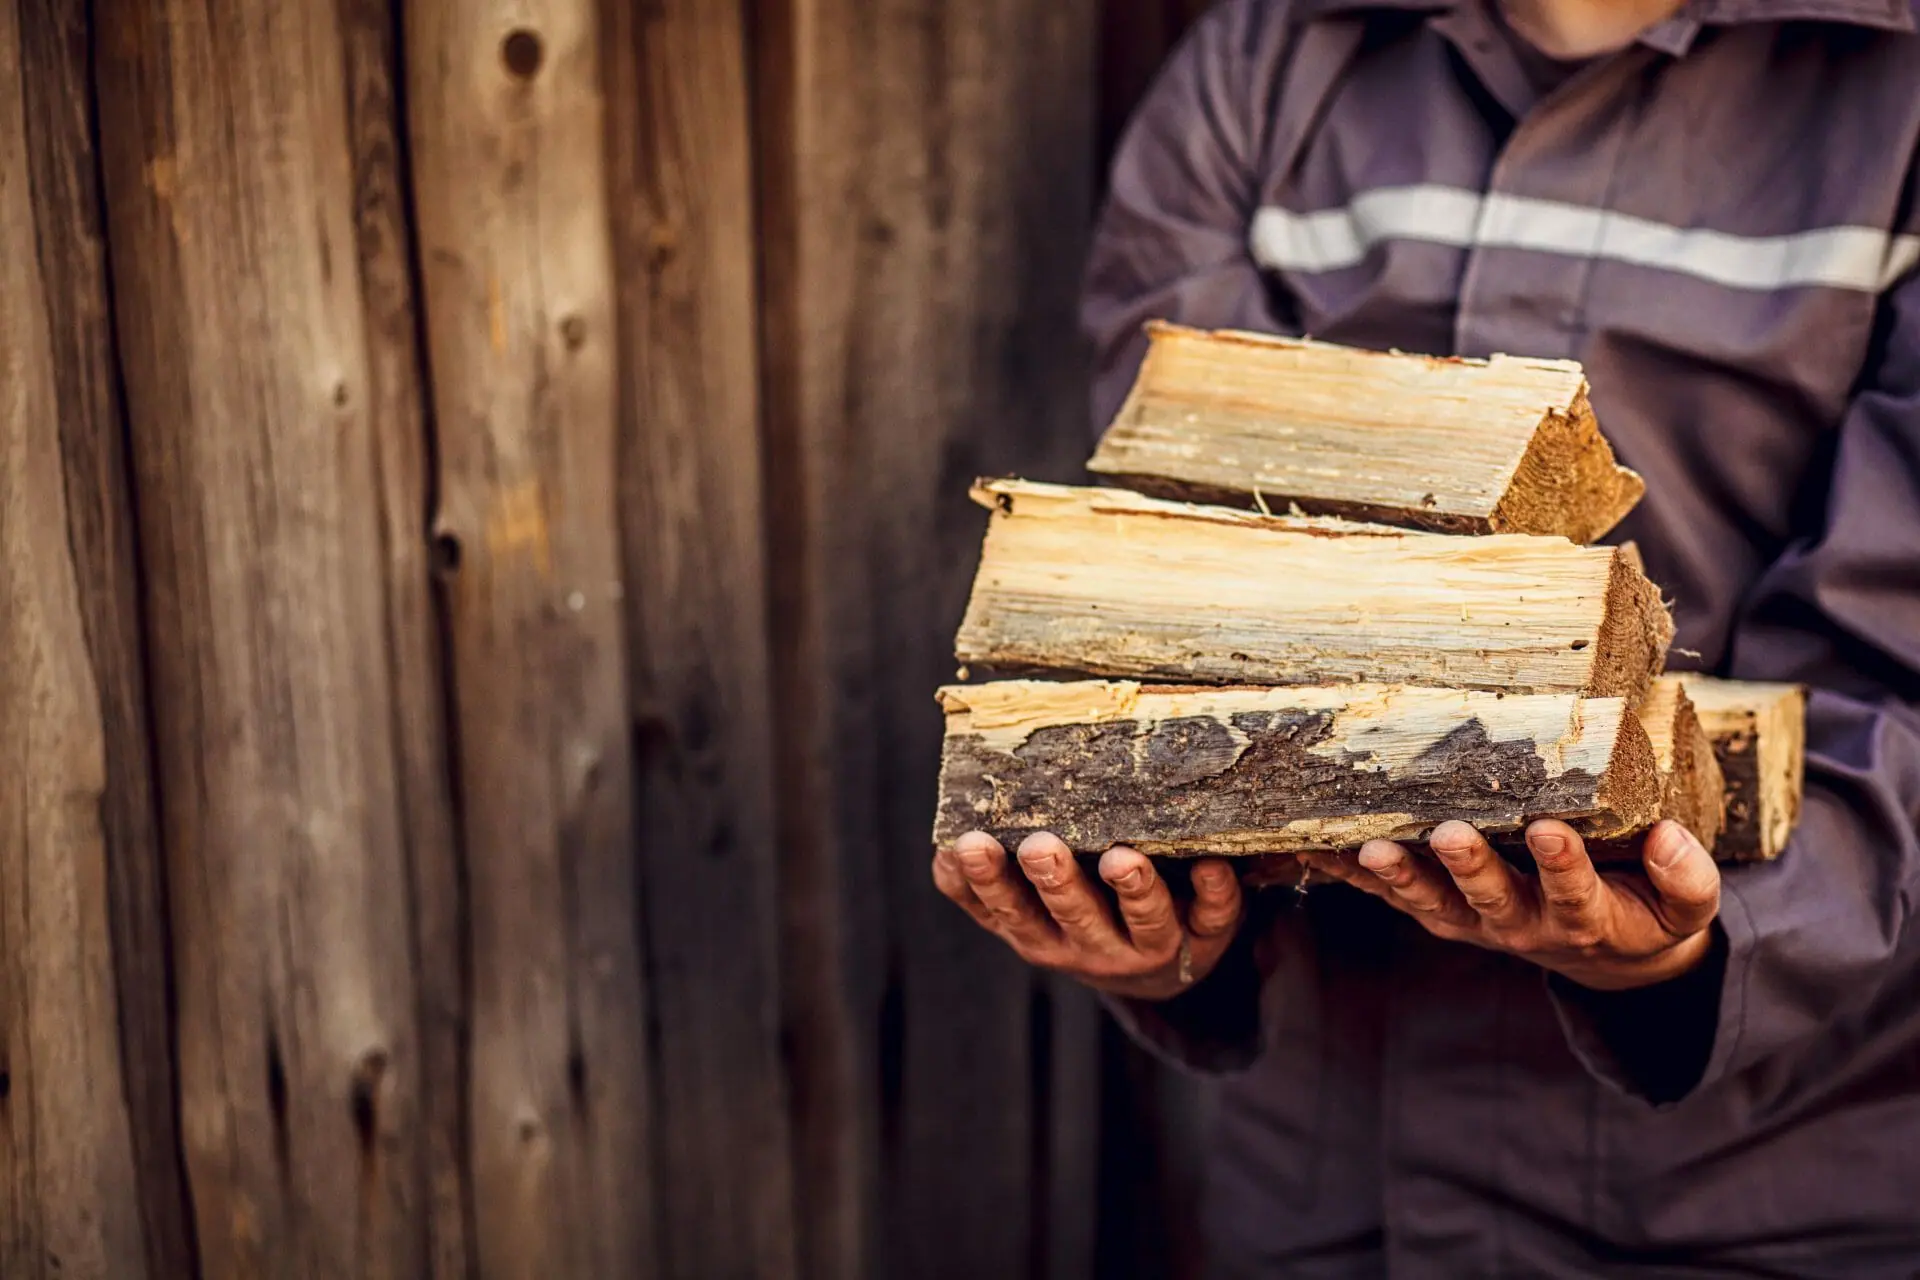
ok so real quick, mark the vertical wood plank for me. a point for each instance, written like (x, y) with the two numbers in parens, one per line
(99, 508)
(927, 231)
(505, 118)
(67, 1176)
(396, 403)
(229, 180)
(682, 195)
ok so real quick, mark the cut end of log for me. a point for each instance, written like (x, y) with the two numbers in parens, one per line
(1758, 734)
(1635, 633)
(1693, 790)
(1568, 482)
(1450, 445)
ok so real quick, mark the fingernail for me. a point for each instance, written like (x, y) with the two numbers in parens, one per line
(975, 863)
(1548, 845)
(1128, 880)
(1041, 868)
(1672, 845)
(1382, 864)
(1211, 877)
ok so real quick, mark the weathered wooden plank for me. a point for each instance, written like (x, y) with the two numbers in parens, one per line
(67, 1168)
(925, 175)
(1758, 731)
(229, 185)
(1199, 770)
(396, 406)
(56, 88)
(505, 112)
(690, 477)
(1106, 582)
(1461, 446)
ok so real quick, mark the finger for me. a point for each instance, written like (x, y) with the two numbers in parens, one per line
(948, 879)
(1145, 902)
(1574, 895)
(1419, 888)
(1217, 901)
(1069, 897)
(1016, 913)
(1346, 868)
(1685, 878)
(1484, 879)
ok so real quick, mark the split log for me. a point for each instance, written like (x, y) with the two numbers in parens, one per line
(1460, 446)
(1109, 583)
(1194, 770)
(1692, 789)
(1758, 732)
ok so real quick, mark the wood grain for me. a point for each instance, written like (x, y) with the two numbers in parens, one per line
(1693, 790)
(1461, 446)
(396, 404)
(1758, 731)
(925, 181)
(242, 327)
(690, 509)
(63, 164)
(67, 1165)
(1106, 582)
(1197, 770)
(505, 105)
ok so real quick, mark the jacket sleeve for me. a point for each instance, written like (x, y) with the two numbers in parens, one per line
(1171, 241)
(1813, 935)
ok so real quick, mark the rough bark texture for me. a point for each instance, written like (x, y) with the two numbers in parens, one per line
(1106, 582)
(690, 510)
(1459, 446)
(234, 232)
(1251, 771)
(505, 111)
(69, 1199)
(1758, 732)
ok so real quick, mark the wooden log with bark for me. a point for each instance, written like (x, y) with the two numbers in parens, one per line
(1504, 445)
(1758, 733)
(1106, 582)
(1692, 789)
(1190, 770)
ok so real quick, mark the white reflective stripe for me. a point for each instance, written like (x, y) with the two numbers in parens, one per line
(1328, 240)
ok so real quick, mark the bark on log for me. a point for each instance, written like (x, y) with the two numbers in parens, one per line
(1460, 446)
(1106, 582)
(1758, 732)
(1195, 770)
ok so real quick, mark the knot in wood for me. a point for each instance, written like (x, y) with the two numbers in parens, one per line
(522, 52)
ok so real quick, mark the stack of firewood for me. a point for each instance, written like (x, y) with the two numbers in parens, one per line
(1343, 595)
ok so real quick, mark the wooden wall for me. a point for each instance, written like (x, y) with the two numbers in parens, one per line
(482, 511)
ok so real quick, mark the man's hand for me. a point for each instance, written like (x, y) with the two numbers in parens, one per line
(1609, 931)
(1056, 918)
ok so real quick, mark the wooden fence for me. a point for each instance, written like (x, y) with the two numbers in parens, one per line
(482, 511)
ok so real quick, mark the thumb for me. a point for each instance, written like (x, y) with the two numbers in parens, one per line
(1684, 877)
(1214, 916)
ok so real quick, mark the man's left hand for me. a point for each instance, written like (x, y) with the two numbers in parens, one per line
(1610, 931)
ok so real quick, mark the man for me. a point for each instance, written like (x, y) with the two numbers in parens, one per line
(1461, 1069)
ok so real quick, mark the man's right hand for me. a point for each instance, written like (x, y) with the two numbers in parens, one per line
(1057, 919)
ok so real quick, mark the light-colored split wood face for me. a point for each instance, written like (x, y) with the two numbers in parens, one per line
(1693, 789)
(1461, 446)
(1108, 582)
(1240, 771)
(1758, 732)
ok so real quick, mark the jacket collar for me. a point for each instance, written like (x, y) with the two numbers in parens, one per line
(1881, 15)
